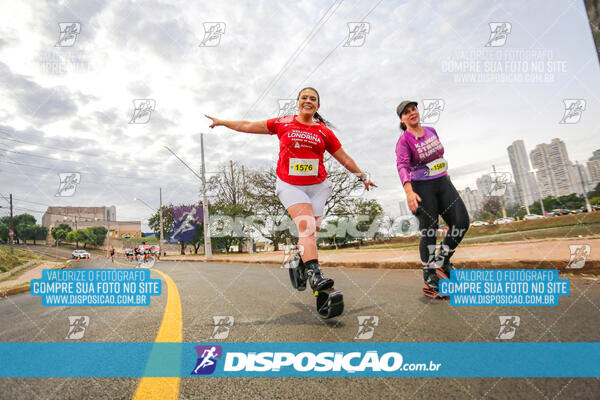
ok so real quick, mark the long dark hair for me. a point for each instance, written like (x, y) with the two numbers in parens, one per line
(317, 116)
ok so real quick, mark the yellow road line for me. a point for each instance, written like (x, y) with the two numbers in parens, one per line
(170, 331)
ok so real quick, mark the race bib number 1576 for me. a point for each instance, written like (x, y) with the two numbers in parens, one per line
(304, 166)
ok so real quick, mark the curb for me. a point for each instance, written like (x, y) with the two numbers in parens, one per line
(591, 267)
(24, 287)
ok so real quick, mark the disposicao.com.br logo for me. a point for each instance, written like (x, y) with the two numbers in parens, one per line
(299, 363)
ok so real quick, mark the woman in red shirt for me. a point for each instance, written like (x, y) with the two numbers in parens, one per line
(302, 184)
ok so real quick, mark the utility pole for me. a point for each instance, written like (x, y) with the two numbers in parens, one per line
(12, 226)
(207, 244)
(587, 202)
(245, 192)
(233, 192)
(525, 201)
(162, 233)
(501, 197)
(541, 196)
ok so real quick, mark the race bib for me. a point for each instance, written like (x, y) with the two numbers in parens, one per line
(437, 167)
(304, 166)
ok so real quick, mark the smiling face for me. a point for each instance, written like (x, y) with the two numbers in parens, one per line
(410, 115)
(308, 102)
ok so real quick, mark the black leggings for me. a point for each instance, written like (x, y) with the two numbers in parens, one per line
(439, 197)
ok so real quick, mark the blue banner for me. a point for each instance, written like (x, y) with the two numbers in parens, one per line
(96, 287)
(223, 359)
(504, 287)
(187, 220)
(184, 231)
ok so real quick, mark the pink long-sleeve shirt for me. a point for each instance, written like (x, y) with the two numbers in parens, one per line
(412, 155)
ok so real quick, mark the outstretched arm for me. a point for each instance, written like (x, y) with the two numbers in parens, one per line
(241, 126)
(348, 163)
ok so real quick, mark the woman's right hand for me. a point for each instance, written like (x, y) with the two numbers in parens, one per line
(215, 121)
(413, 200)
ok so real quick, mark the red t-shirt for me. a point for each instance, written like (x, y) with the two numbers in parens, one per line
(301, 149)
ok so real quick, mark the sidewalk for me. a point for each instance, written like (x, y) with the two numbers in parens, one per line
(532, 254)
(16, 285)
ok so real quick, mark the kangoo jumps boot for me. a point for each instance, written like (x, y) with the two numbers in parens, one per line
(298, 273)
(443, 260)
(315, 276)
(432, 275)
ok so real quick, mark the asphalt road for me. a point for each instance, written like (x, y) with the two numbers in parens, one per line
(266, 308)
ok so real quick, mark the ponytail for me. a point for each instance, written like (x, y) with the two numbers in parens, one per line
(402, 126)
(317, 116)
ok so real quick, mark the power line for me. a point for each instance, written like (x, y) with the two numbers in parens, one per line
(295, 55)
(35, 155)
(81, 171)
(48, 205)
(138, 178)
(86, 172)
(81, 219)
(8, 137)
(333, 50)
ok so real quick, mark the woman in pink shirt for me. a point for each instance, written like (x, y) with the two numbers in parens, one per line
(430, 194)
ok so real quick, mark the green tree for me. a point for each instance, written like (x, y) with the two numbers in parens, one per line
(168, 221)
(227, 236)
(231, 190)
(3, 232)
(59, 233)
(571, 202)
(39, 233)
(22, 224)
(24, 219)
(334, 232)
(362, 219)
(595, 192)
(515, 210)
(491, 209)
(198, 239)
(24, 232)
(76, 236)
(270, 219)
(99, 233)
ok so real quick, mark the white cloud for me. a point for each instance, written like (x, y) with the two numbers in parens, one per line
(130, 50)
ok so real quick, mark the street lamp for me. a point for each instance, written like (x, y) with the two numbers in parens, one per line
(537, 185)
(147, 205)
(207, 240)
(587, 202)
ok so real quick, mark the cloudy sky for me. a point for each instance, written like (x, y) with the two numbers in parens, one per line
(67, 101)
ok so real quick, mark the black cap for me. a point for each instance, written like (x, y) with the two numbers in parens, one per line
(403, 105)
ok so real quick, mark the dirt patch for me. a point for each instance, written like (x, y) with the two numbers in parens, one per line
(530, 254)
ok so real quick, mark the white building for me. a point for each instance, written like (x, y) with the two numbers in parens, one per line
(484, 185)
(582, 179)
(511, 195)
(554, 170)
(526, 186)
(593, 166)
(472, 199)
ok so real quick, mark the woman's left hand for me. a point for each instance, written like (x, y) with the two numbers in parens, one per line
(368, 183)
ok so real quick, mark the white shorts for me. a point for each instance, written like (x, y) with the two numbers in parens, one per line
(316, 195)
